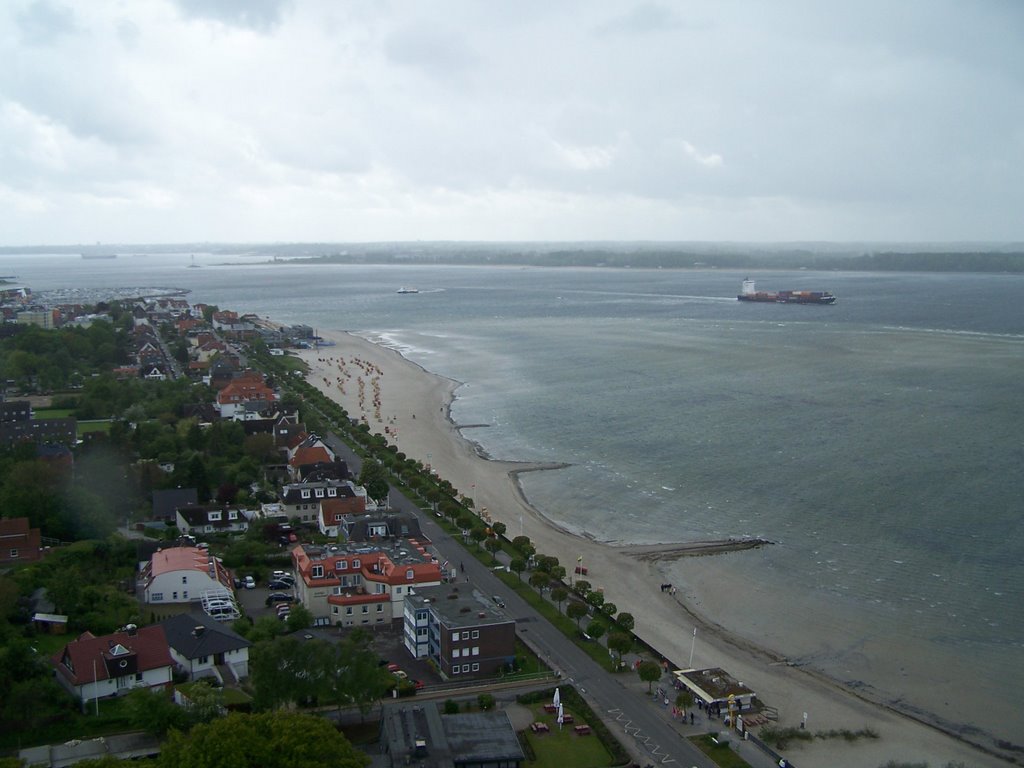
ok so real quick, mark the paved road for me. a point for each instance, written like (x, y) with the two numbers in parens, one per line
(643, 725)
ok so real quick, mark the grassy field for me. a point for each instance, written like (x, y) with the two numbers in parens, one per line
(93, 426)
(52, 413)
(564, 748)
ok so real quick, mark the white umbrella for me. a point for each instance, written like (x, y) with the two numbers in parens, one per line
(558, 699)
(559, 717)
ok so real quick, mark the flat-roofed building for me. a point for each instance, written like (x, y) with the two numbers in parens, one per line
(466, 634)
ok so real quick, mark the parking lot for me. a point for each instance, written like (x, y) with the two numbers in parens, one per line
(387, 640)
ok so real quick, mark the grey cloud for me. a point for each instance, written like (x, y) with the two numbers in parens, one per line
(258, 15)
(43, 22)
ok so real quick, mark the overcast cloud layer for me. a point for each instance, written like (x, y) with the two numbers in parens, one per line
(257, 120)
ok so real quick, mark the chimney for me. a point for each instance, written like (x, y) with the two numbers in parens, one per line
(198, 631)
(131, 629)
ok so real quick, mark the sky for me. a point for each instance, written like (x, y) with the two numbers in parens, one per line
(146, 121)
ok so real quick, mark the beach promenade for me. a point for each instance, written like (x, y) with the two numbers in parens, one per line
(411, 407)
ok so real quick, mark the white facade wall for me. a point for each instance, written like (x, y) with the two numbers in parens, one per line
(185, 586)
(119, 686)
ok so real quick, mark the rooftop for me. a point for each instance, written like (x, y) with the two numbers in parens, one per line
(459, 607)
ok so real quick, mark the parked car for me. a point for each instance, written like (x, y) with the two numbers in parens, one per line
(279, 597)
(250, 582)
(280, 584)
(498, 601)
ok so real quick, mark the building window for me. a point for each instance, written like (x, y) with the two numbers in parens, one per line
(398, 590)
(348, 611)
(184, 579)
(338, 517)
(380, 607)
(233, 514)
(465, 667)
(14, 554)
(366, 609)
(174, 596)
(476, 667)
(342, 565)
(455, 669)
(465, 635)
(157, 597)
(334, 610)
(456, 653)
(455, 637)
(410, 574)
(184, 595)
(319, 493)
(318, 571)
(476, 650)
(332, 492)
(355, 563)
(476, 633)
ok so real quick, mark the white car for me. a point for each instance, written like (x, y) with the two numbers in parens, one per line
(250, 582)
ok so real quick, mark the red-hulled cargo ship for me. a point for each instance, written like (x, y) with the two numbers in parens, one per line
(785, 297)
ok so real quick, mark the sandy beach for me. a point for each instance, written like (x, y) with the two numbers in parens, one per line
(411, 407)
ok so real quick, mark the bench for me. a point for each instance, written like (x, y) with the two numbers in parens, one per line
(539, 727)
(582, 730)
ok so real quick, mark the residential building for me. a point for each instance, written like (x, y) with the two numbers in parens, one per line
(357, 584)
(302, 500)
(183, 575)
(204, 518)
(204, 647)
(19, 543)
(463, 632)
(167, 502)
(111, 665)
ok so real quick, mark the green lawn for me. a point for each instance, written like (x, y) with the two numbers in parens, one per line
(722, 754)
(93, 426)
(52, 413)
(565, 749)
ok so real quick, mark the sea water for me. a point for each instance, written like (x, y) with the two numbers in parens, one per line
(877, 441)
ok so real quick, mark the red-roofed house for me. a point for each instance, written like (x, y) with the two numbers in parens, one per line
(333, 511)
(18, 542)
(356, 585)
(240, 391)
(98, 667)
(182, 575)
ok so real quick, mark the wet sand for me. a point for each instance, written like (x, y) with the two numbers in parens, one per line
(411, 407)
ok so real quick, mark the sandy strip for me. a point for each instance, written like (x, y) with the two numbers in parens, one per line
(411, 406)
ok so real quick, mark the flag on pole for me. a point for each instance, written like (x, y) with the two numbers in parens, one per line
(579, 559)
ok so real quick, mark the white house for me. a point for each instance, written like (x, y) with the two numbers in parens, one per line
(99, 667)
(198, 518)
(182, 575)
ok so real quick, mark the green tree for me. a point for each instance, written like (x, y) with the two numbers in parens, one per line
(539, 580)
(596, 599)
(451, 707)
(609, 609)
(268, 740)
(596, 629)
(621, 643)
(626, 621)
(285, 671)
(522, 543)
(517, 565)
(154, 711)
(352, 672)
(492, 546)
(499, 528)
(485, 701)
(576, 610)
(581, 587)
(559, 594)
(299, 617)
(478, 533)
(374, 478)
(649, 672)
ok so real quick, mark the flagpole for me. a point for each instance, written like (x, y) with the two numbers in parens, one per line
(692, 645)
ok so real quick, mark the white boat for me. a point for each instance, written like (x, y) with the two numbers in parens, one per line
(406, 289)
